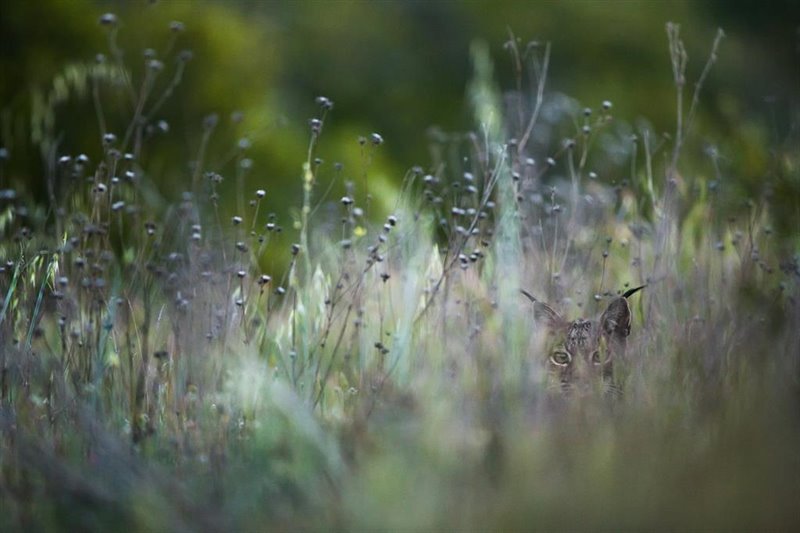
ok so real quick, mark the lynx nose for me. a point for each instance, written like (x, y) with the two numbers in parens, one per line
(584, 380)
(577, 389)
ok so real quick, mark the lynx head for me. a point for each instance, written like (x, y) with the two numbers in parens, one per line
(581, 353)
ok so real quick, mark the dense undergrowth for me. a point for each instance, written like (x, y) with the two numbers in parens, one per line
(155, 377)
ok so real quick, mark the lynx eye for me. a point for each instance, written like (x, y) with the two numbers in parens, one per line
(596, 358)
(561, 358)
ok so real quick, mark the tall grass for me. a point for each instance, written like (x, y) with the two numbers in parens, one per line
(154, 377)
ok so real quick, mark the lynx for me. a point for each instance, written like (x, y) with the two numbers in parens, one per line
(581, 353)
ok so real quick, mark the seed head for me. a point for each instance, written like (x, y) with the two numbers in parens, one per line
(236, 220)
(108, 19)
(324, 103)
(237, 117)
(376, 139)
(261, 193)
(210, 121)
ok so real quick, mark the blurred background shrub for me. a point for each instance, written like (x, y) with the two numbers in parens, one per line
(400, 69)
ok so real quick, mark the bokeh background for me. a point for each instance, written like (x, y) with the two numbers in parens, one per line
(397, 68)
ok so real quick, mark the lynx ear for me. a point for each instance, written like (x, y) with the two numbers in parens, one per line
(543, 313)
(631, 292)
(616, 319)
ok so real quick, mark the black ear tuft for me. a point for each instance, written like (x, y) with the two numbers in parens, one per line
(616, 319)
(543, 313)
(631, 292)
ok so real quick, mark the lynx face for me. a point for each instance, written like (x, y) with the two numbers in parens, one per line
(581, 353)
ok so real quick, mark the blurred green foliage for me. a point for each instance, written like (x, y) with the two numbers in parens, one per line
(397, 68)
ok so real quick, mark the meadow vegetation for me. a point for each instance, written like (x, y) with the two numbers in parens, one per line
(170, 364)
